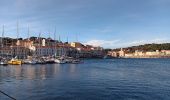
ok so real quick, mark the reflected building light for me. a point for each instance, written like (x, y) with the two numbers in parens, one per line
(30, 72)
(56, 68)
(18, 72)
(43, 72)
(72, 68)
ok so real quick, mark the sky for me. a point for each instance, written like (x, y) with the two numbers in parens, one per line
(106, 23)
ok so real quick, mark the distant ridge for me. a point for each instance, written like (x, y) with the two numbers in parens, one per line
(147, 47)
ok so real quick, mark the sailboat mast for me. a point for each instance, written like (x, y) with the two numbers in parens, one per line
(2, 39)
(39, 39)
(17, 37)
(55, 45)
(2, 44)
(76, 37)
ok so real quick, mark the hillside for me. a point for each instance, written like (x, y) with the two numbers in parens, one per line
(147, 47)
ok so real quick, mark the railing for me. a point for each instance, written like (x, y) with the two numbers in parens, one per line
(7, 95)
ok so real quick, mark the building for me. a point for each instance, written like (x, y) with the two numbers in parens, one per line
(139, 53)
(165, 52)
(121, 53)
(20, 51)
(52, 51)
(5, 51)
(76, 45)
(153, 53)
(113, 54)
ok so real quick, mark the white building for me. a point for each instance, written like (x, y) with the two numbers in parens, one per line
(121, 53)
(153, 53)
(50, 51)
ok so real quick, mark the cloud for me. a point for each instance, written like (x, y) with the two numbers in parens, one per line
(103, 43)
(121, 43)
(141, 42)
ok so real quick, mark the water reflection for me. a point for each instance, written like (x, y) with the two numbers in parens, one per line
(37, 71)
(120, 79)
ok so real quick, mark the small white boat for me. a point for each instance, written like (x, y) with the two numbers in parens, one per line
(49, 60)
(40, 61)
(3, 63)
(76, 61)
(15, 61)
(27, 61)
(60, 61)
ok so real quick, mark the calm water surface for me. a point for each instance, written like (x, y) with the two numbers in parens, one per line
(112, 79)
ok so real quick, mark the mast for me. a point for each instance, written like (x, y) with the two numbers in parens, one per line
(2, 43)
(76, 37)
(55, 45)
(28, 41)
(59, 38)
(3, 35)
(17, 36)
(67, 39)
(39, 39)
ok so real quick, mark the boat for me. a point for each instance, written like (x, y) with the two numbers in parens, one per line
(49, 60)
(15, 61)
(40, 61)
(3, 62)
(60, 60)
(76, 61)
(69, 59)
(28, 61)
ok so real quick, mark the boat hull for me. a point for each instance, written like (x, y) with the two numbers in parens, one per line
(15, 62)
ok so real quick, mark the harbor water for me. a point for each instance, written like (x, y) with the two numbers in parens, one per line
(95, 79)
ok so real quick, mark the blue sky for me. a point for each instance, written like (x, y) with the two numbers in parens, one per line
(108, 23)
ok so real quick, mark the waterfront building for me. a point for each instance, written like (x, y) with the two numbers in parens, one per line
(153, 53)
(20, 51)
(139, 53)
(113, 54)
(26, 43)
(5, 51)
(52, 51)
(77, 45)
(129, 55)
(87, 51)
(121, 53)
(165, 52)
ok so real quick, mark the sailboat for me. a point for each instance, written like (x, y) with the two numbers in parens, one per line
(3, 61)
(15, 61)
(29, 60)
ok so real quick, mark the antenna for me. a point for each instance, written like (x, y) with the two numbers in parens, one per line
(39, 39)
(55, 33)
(2, 36)
(17, 30)
(67, 39)
(28, 33)
(59, 38)
(3, 31)
(76, 37)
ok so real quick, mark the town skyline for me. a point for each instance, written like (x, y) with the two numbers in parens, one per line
(110, 24)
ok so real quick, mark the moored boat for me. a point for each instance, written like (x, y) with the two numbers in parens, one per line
(28, 61)
(14, 61)
(60, 61)
(3, 63)
(76, 61)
